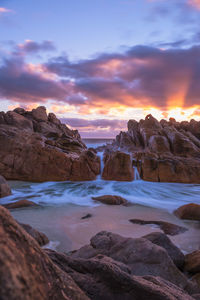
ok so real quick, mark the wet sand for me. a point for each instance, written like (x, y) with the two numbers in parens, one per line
(67, 231)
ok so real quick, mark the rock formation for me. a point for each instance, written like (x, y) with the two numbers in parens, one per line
(35, 146)
(162, 151)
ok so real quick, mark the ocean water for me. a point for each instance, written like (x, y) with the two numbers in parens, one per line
(167, 196)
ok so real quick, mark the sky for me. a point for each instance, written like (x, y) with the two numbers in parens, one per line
(98, 63)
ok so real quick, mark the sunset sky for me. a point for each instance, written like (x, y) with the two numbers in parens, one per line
(99, 63)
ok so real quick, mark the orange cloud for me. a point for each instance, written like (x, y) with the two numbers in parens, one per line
(194, 3)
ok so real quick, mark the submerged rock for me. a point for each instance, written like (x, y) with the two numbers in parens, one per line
(38, 147)
(111, 200)
(189, 211)
(167, 227)
(4, 187)
(20, 204)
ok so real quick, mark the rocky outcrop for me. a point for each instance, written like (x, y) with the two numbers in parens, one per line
(102, 277)
(140, 255)
(20, 204)
(167, 227)
(118, 166)
(4, 187)
(26, 272)
(189, 211)
(38, 147)
(111, 200)
(163, 151)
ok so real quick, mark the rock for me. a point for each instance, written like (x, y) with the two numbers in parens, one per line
(26, 272)
(163, 241)
(20, 204)
(86, 216)
(40, 237)
(196, 278)
(167, 227)
(39, 114)
(189, 211)
(50, 151)
(111, 200)
(118, 166)
(4, 187)
(163, 151)
(141, 255)
(103, 278)
(17, 120)
(192, 262)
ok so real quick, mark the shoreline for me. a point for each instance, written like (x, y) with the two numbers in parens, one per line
(63, 224)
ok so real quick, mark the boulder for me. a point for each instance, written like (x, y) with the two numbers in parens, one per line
(141, 255)
(167, 227)
(39, 114)
(189, 211)
(163, 241)
(192, 262)
(111, 200)
(118, 166)
(26, 272)
(20, 204)
(102, 277)
(40, 237)
(4, 187)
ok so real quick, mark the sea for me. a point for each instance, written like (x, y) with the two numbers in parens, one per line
(63, 204)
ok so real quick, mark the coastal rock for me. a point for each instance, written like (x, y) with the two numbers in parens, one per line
(26, 272)
(4, 187)
(40, 237)
(165, 151)
(167, 227)
(141, 255)
(20, 204)
(189, 211)
(163, 241)
(192, 262)
(118, 166)
(111, 200)
(47, 151)
(103, 278)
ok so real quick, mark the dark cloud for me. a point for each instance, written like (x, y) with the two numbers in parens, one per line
(141, 76)
(31, 47)
(19, 83)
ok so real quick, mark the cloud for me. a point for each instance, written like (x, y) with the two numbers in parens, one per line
(4, 10)
(97, 127)
(194, 3)
(141, 77)
(30, 47)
